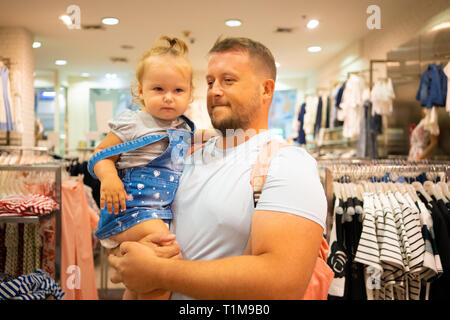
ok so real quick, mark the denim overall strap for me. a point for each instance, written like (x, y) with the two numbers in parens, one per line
(121, 148)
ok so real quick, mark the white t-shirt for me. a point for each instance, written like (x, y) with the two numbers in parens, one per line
(213, 206)
(130, 125)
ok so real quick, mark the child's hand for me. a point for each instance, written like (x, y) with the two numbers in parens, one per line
(113, 192)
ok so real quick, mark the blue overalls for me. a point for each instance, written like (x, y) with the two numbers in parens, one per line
(152, 187)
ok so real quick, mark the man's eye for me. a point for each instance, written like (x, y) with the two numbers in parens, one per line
(228, 80)
(210, 83)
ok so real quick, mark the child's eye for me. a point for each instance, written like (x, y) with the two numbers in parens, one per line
(179, 90)
(157, 89)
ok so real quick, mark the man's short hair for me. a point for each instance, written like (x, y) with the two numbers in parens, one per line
(254, 48)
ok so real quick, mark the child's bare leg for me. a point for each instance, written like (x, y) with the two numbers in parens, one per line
(136, 233)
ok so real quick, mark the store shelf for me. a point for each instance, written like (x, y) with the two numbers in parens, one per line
(10, 218)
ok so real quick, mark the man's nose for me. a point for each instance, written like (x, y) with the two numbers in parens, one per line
(216, 89)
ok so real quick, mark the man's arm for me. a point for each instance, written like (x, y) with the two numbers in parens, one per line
(284, 250)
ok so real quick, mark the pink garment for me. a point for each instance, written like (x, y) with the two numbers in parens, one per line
(77, 266)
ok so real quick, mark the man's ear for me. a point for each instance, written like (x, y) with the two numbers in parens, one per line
(268, 88)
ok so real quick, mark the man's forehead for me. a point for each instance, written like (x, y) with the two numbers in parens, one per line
(228, 58)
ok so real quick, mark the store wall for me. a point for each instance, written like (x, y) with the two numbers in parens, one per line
(16, 44)
(378, 43)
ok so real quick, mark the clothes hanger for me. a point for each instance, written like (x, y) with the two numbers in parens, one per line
(444, 188)
(432, 191)
(418, 187)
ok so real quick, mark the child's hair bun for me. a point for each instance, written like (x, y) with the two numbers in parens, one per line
(168, 45)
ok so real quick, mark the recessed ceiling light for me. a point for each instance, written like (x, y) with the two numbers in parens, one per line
(65, 19)
(314, 49)
(110, 21)
(85, 74)
(277, 64)
(313, 23)
(36, 44)
(442, 25)
(60, 62)
(233, 23)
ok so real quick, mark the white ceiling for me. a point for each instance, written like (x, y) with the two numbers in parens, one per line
(141, 22)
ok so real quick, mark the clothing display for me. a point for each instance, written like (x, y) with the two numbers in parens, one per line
(390, 240)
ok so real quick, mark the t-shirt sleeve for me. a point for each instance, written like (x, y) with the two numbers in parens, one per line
(124, 125)
(293, 186)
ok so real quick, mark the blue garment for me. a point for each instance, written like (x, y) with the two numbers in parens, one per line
(301, 132)
(430, 92)
(8, 125)
(367, 141)
(318, 122)
(151, 187)
(34, 286)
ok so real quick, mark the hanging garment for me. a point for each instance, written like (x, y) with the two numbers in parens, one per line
(352, 100)
(382, 96)
(34, 286)
(310, 114)
(447, 73)
(6, 109)
(328, 113)
(318, 123)
(301, 138)
(430, 92)
(367, 142)
(77, 265)
(420, 136)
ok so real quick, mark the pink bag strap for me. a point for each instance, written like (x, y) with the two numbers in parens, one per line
(261, 167)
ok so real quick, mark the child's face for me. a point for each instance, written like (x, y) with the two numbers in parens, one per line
(165, 87)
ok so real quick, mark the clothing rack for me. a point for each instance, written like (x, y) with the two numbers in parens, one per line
(355, 169)
(56, 171)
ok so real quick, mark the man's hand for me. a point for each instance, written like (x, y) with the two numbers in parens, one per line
(113, 192)
(135, 267)
(163, 244)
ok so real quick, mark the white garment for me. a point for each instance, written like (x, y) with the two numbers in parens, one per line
(352, 100)
(213, 206)
(447, 73)
(312, 102)
(381, 96)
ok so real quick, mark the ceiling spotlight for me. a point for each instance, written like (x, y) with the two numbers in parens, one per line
(60, 62)
(36, 44)
(85, 74)
(314, 49)
(277, 64)
(110, 21)
(233, 23)
(66, 19)
(313, 23)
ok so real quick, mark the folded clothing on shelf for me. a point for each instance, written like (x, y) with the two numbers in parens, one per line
(33, 204)
(34, 286)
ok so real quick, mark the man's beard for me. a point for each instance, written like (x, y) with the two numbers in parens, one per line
(239, 118)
